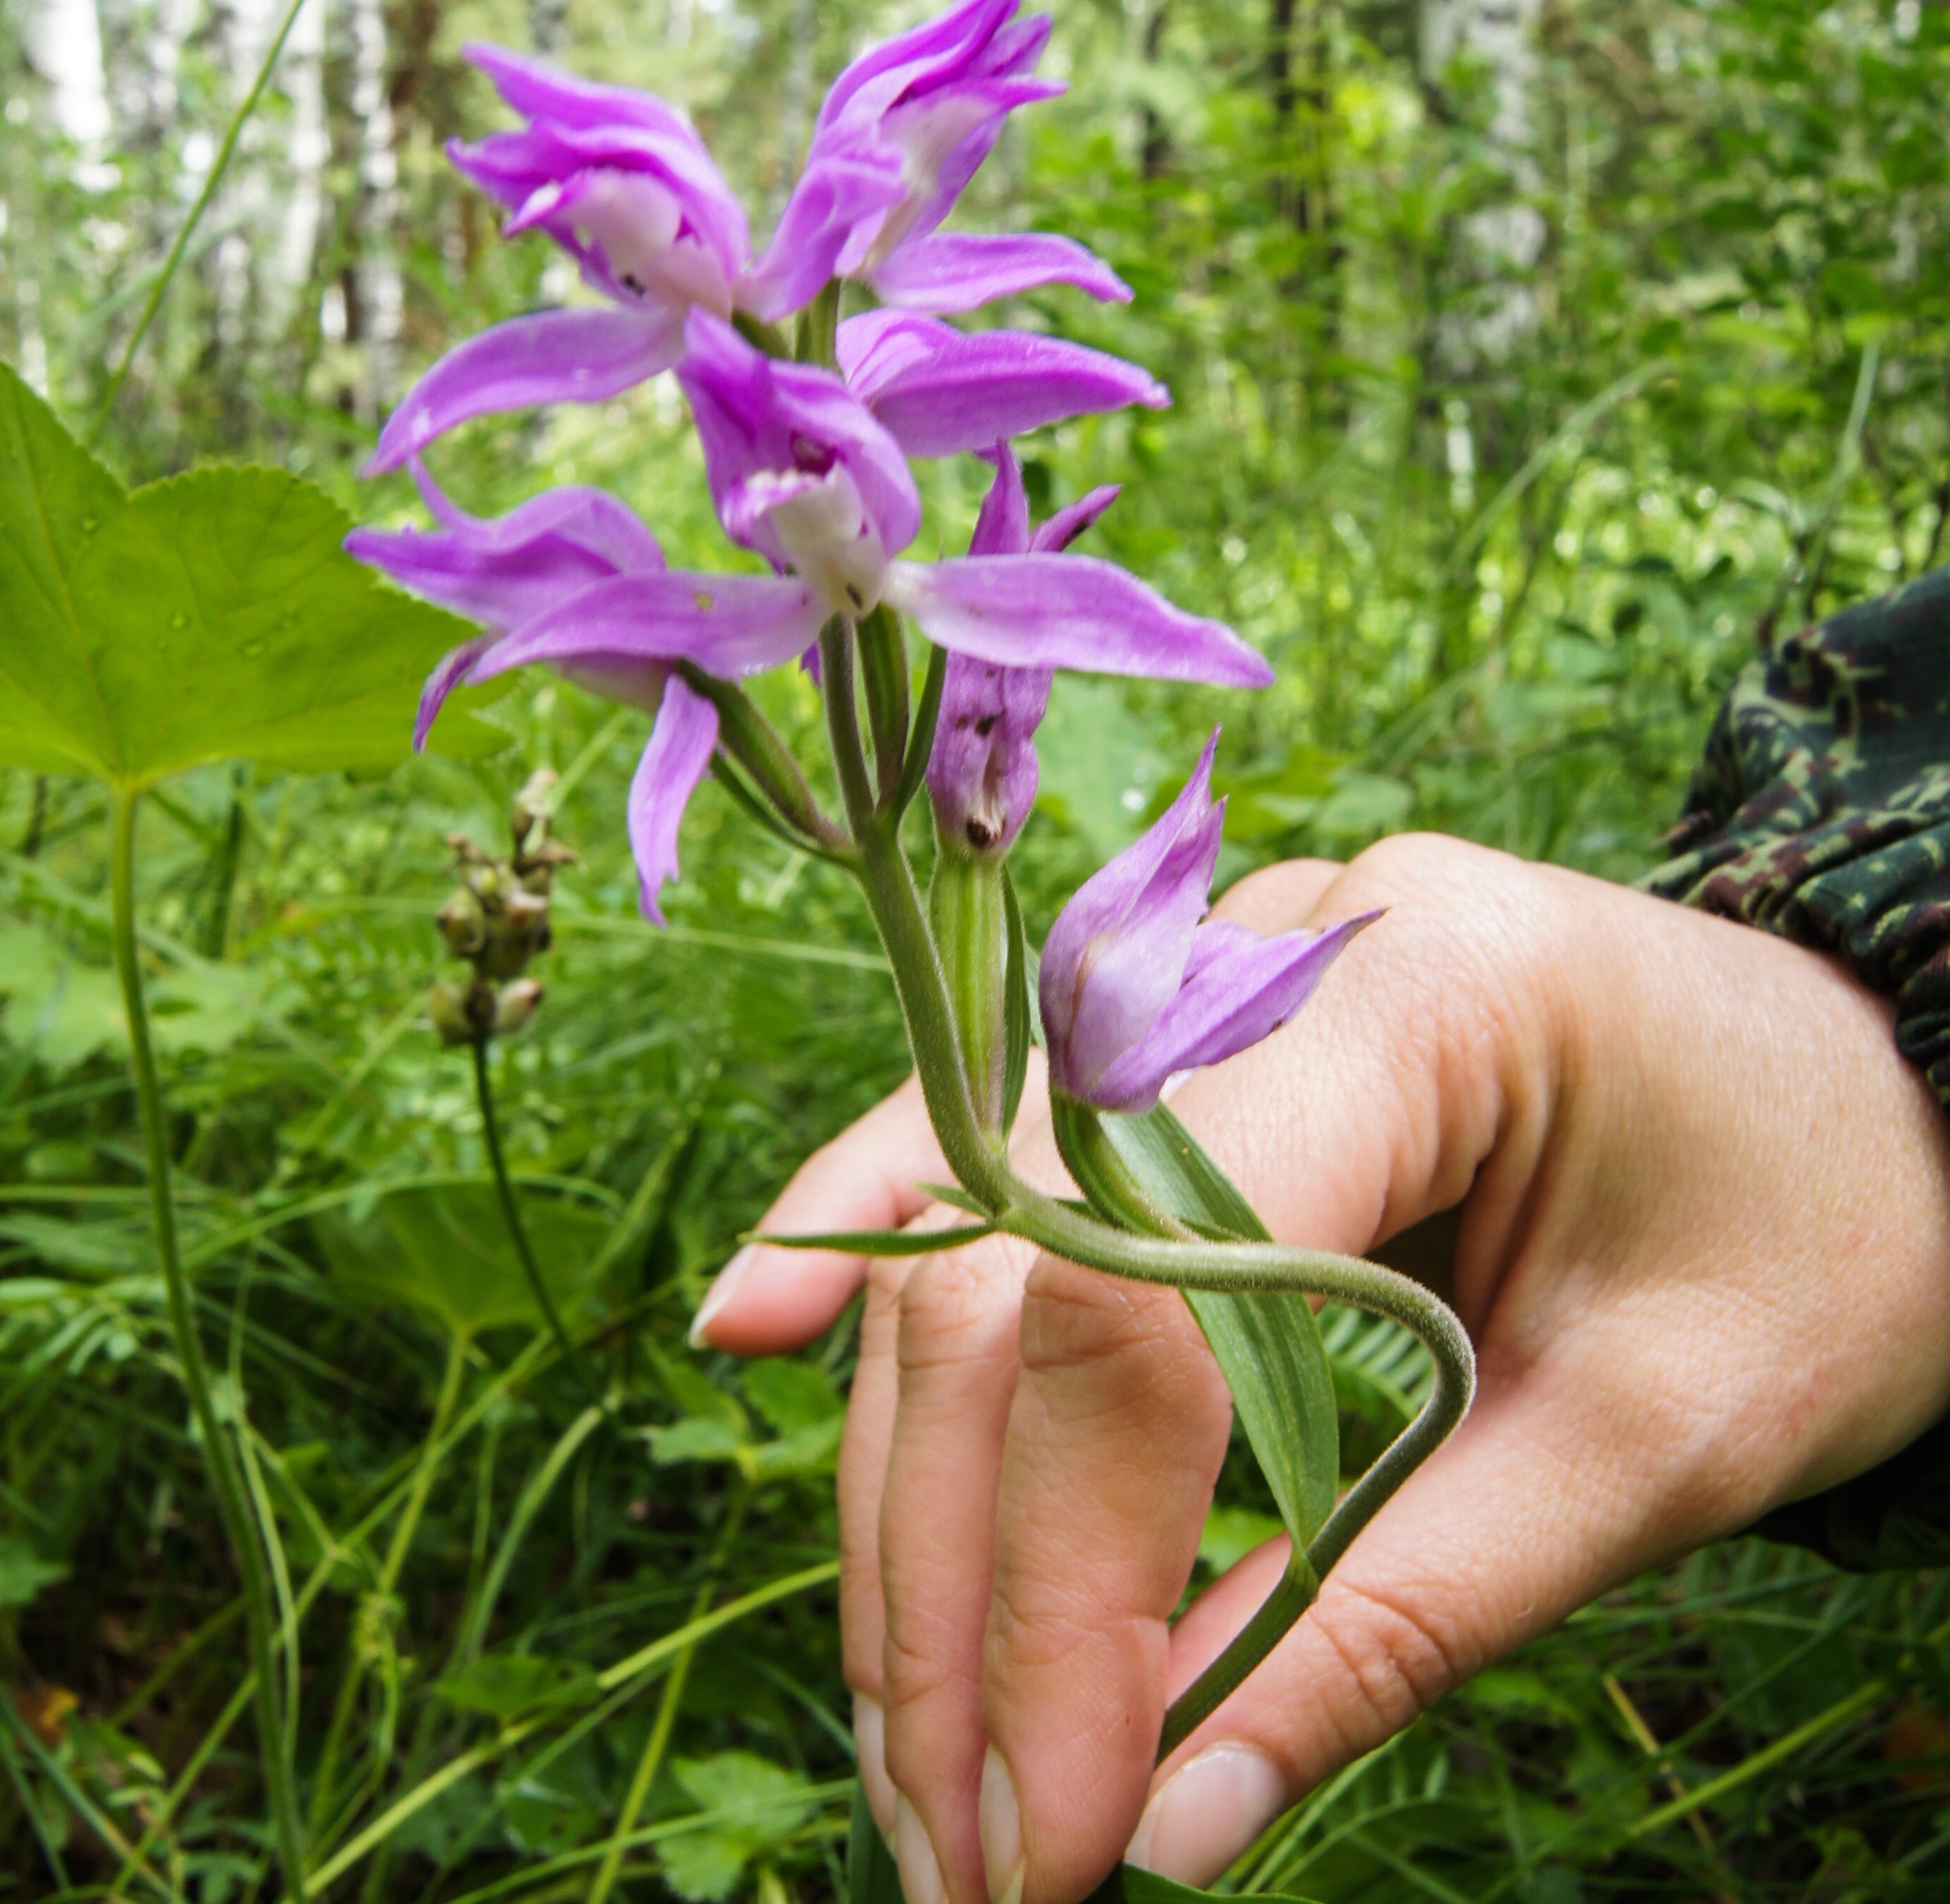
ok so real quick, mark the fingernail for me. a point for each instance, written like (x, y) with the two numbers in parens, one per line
(869, 1743)
(1000, 1820)
(920, 1869)
(1206, 1813)
(717, 1296)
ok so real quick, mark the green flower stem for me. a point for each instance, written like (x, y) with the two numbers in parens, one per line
(511, 1214)
(920, 741)
(884, 672)
(219, 1456)
(966, 904)
(751, 740)
(1299, 1587)
(922, 986)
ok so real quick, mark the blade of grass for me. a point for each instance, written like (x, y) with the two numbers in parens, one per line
(218, 166)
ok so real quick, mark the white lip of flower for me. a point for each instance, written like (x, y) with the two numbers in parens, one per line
(633, 221)
(926, 134)
(822, 527)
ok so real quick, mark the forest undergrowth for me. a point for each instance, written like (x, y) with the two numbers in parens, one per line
(1516, 400)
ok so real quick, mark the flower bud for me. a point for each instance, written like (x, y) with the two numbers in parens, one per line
(528, 814)
(516, 1005)
(462, 924)
(462, 1014)
(517, 928)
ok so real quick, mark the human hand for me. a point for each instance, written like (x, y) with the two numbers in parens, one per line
(1704, 1208)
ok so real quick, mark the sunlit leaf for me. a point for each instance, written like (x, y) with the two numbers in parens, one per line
(210, 617)
(756, 1803)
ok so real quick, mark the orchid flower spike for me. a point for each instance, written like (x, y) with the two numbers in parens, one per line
(1134, 988)
(619, 179)
(982, 773)
(803, 474)
(902, 133)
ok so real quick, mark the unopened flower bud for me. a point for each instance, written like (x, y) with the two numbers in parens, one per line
(982, 775)
(454, 1011)
(516, 1005)
(462, 924)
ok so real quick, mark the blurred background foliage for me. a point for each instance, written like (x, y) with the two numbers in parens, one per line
(1533, 360)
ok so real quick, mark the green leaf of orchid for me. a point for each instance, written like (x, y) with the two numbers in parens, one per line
(872, 1876)
(877, 1242)
(953, 1194)
(1269, 1347)
(212, 616)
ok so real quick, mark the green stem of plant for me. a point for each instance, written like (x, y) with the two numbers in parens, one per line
(669, 1705)
(225, 1480)
(218, 166)
(483, 1092)
(895, 901)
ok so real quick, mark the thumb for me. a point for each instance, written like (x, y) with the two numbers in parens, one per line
(1513, 1525)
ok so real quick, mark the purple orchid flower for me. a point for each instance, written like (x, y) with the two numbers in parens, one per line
(902, 133)
(508, 573)
(621, 182)
(802, 474)
(982, 773)
(1134, 988)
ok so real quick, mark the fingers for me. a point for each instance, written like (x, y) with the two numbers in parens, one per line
(1119, 1424)
(766, 1301)
(956, 1354)
(917, 1471)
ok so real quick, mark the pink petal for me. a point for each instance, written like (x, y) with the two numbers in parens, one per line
(956, 271)
(940, 391)
(676, 759)
(1068, 611)
(1238, 989)
(1116, 954)
(729, 625)
(552, 356)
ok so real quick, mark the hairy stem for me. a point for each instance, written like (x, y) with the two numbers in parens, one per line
(922, 986)
(218, 1456)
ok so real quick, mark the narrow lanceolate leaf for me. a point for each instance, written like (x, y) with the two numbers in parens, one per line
(872, 1877)
(212, 616)
(1268, 1346)
(878, 1242)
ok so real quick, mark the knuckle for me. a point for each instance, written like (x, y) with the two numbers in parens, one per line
(1277, 898)
(1397, 1658)
(1073, 1318)
(952, 1307)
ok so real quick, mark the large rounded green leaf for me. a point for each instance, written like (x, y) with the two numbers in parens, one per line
(445, 1251)
(213, 616)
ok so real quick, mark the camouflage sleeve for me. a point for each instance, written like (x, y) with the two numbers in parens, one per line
(1822, 811)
